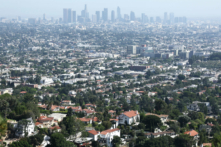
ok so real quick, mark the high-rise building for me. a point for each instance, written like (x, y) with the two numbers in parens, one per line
(74, 16)
(105, 14)
(132, 49)
(144, 18)
(171, 18)
(165, 19)
(112, 16)
(94, 18)
(118, 13)
(132, 16)
(98, 15)
(65, 15)
(69, 16)
(86, 13)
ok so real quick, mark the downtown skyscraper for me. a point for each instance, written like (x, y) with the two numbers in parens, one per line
(65, 15)
(105, 14)
(118, 13)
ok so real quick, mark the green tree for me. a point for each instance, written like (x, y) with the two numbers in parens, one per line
(152, 122)
(181, 77)
(116, 141)
(184, 140)
(58, 140)
(183, 120)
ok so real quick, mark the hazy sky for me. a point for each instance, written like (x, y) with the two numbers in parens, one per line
(54, 8)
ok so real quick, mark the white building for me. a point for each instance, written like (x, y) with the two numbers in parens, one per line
(129, 117)
(105, 136)
(20, 131)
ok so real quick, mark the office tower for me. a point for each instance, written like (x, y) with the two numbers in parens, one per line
(144, 18)
(165, 17)
(158, 19)
(184, 19)
(94, 18)
(132, 16)
(86, 12)
(126, 17)
(74, 16)
(83, 13)
(112, 16)
(180, 19)
(118, 13)
(69, 16)
(98, 15)
(151, 20)
(65, 15)
(171, 18)
(32, 20)
(105, 14)
(44, 17)
(132, 49)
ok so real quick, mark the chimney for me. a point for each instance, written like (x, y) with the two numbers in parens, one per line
(136, 112)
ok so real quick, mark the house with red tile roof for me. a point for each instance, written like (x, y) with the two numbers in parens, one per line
(129, 117)
(86, 120)
(46, 121)
(55, 129)
(94, 134)
(108, 135)
(194, 134)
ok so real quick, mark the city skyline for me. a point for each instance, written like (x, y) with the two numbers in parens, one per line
(26, 9)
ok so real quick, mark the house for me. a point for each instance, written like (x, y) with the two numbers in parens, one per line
(159, 134)
(86, 120)
(195, 106)
(115, 123)
(57, 116)
(108, 135)
(66, 102)
(94, 134)
(206, 127)
(111, 112)
(90, 105)
(194, 134)
(129, 117)
(46, 121)
(55, 108)
(162, 117)
(206, 145)
(26, 125)
(55, 129)
(88, 112)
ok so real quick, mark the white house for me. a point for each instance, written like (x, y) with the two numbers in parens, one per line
(129, 117)
(105, 136)
(108, 135)
(20, 131)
